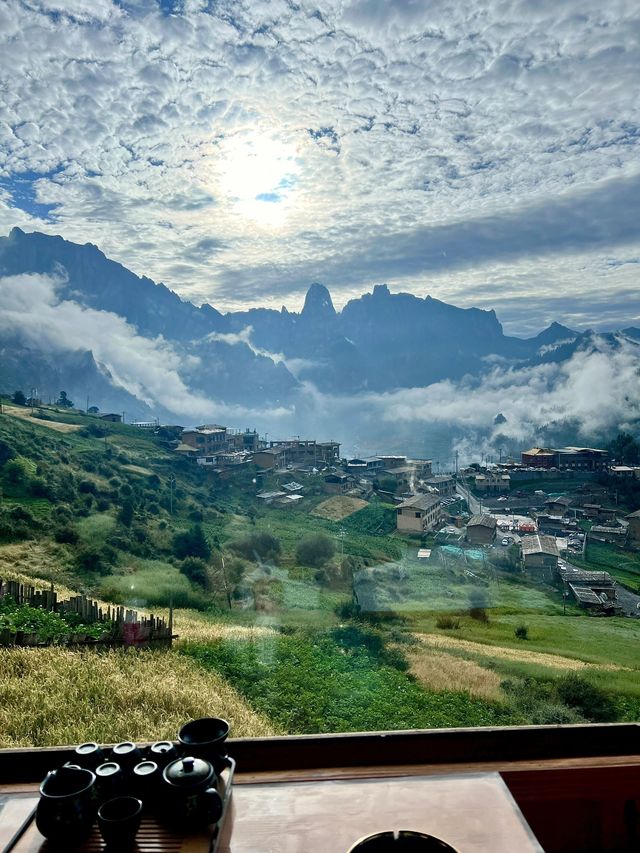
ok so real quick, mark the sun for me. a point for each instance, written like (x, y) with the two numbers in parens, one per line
(258, 174)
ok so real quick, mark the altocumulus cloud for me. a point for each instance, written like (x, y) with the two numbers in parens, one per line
(417, 140)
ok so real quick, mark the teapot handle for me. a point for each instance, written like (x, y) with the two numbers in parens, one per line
(213, 804)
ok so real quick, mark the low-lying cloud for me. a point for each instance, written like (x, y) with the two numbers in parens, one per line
(150, 369)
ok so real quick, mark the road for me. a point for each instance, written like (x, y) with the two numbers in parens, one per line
(473, 503)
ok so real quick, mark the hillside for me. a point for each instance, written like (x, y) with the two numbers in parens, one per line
(289, 619)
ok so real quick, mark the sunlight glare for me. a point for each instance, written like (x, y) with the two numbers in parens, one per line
(258, 175)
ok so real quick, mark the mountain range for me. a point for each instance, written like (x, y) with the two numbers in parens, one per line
(72, 318)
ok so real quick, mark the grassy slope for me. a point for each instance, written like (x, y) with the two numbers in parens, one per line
(623, 564)
(288, 596)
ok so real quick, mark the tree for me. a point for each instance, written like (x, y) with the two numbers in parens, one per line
(191, 543)
(624, 448)
(315, 550)
(125, 516)
(195, 568)
(93, 410)
(19, 399)
(64, 401)
(257, 546)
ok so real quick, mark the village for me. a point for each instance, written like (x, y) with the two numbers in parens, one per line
(490, 506)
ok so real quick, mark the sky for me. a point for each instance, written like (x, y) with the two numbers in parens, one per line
(485, 152)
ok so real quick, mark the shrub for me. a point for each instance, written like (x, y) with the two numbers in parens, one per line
(195, 569)
(591, 701)
(522, 632)
(87, 487)
(191, 543)
(315, 550)
(257, 546)
(92, 558)
(125, 516)
(66, 535)
(447, 622)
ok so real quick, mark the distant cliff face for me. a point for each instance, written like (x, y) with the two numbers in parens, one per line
(378, 342)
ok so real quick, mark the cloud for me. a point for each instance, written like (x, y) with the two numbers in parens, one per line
(150, 369)
(295, 366)
(597, 389)
(432, 145)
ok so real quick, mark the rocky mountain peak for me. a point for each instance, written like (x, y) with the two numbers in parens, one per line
(318, 304)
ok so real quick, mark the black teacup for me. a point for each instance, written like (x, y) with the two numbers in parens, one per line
(119, 821)
(204, 738)
(126, 754)
(163, 752)
(147, 777)
(89, 755)
(401, 841)
(109, 779)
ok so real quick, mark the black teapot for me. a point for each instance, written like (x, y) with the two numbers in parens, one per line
(189, 792)
(68, 805)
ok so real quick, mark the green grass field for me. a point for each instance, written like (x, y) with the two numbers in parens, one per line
(622, 564)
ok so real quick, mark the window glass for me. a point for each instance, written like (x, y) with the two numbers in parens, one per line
(319, 355)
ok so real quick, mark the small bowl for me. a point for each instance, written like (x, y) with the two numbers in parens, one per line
(204, 737)
(401, 841)
(119, 821)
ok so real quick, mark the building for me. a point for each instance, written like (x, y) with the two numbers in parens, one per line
(581, 459)
(443, 483)
(538, 457)
(555, 524)
(481, 530)
(268, 458)
(625, 472)
(239, 440)
(591, 590)
(336, 484)
(111, 417)
(540, 555)
(495, 483)
(578, 459)
(634, 527)
(419, 514)
(605, 533)
(600, 514)
(307, 451)
(208, 439)
(270, 497)
(557, 506)
(404, 476)
(423, 467)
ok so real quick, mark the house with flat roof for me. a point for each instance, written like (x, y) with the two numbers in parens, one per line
(444, 484)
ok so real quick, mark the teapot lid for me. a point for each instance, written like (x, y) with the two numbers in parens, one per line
(188, 772)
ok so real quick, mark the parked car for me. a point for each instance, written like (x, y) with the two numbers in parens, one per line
(506, 540)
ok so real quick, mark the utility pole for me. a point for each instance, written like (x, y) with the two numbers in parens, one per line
(456, 463)
(172, 482)
(87, 407)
